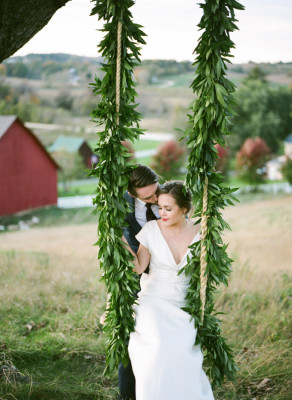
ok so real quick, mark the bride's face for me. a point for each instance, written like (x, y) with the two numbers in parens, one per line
(169, 211)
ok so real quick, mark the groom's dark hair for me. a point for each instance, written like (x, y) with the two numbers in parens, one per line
(139, 177)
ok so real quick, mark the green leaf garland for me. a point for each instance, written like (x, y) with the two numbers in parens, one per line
(211, 111)
(111, 207)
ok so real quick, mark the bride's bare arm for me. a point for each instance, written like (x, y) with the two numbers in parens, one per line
(141, 259)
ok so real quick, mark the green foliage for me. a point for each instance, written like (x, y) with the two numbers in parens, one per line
(163, 68)
(64, 100)
(211, 112)
(256, 73)
(261, 112)
(36, 66)
(111, 171)
(287, 170)
(18, 69)
(50, 216)
(72, 166)
(20, 101)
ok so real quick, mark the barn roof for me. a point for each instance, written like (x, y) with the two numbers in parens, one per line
(7, 120)
(71, 144)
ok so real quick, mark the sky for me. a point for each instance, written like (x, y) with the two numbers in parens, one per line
(265, 30)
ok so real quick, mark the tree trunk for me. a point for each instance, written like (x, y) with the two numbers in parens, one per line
(20, 20)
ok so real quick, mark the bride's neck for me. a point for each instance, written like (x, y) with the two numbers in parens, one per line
(178, 227)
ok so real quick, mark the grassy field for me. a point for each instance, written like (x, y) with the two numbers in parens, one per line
(51, 300)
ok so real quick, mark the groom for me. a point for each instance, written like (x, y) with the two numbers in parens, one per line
(142, 198)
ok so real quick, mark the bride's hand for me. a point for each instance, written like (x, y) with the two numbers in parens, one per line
(127, 246)
(102, 318)
(125, 240)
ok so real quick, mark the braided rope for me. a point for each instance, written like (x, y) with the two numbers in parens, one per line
(204, 227)
(118, 69)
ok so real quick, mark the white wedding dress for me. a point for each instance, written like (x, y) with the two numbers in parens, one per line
(166, 363)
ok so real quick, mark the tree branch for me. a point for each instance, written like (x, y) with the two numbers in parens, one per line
(20, 20)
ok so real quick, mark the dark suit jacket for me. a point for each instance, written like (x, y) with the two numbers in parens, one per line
(132, 227)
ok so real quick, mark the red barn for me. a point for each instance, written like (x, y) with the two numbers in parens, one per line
(28, 174)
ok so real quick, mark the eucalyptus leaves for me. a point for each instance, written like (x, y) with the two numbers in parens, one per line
(208, 125)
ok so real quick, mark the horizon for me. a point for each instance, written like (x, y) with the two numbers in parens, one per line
(146, 59)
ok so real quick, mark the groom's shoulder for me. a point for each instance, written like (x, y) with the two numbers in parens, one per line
(130, 200)
(128, 197)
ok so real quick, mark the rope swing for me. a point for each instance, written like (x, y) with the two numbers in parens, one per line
(203, 261)
(211, 112)
(204, 227)
(118, 70)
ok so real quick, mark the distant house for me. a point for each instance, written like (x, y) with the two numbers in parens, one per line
(274, 166)
(74, 145)
(28, 174)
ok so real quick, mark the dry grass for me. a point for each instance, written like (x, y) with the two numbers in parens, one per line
(260, 242)
(68, 259)
(50, 278)
(51, 300)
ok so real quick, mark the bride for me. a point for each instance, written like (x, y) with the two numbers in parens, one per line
(166, 363)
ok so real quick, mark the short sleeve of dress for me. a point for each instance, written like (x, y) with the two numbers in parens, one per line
(142, 236)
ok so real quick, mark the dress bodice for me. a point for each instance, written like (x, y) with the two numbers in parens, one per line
(163, 279)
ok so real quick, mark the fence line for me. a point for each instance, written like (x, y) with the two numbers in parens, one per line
(282, 187)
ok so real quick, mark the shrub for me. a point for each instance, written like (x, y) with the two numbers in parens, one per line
(222, 161)
(169, 159)
(71, 167)
(251, 158)
(287, 170)
(64, 100)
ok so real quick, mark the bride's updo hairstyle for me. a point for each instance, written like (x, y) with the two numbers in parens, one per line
(179, 192)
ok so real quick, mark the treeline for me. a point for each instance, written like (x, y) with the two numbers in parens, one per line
(161, 68)
(262, 111)
(39, 66)
(29, 105)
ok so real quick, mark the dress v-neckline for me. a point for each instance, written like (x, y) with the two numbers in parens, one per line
(186, 252)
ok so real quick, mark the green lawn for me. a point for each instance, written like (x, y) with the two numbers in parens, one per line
(77, 189)
(140, 144)
(146, 144)
(90, 187)
(52, 216)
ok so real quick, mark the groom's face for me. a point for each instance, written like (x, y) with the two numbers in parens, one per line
(148, 194)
